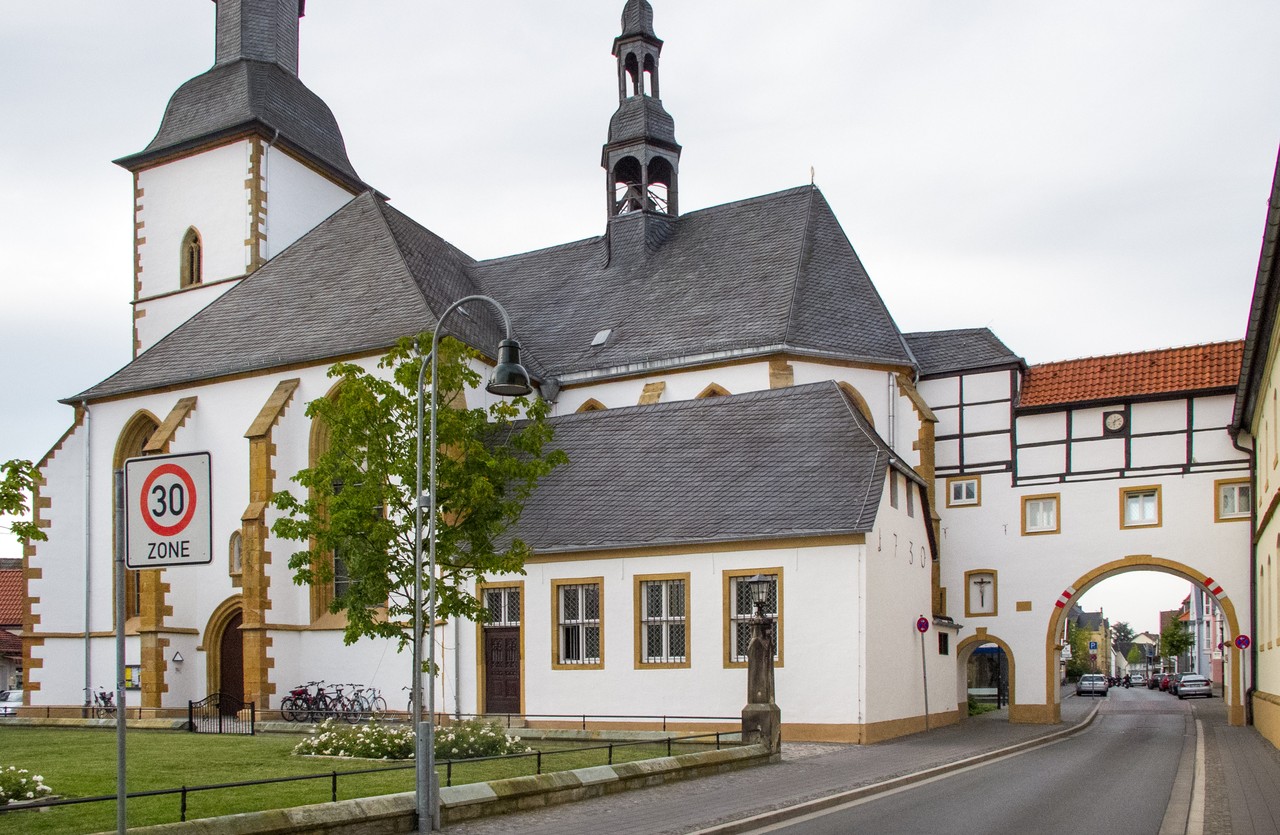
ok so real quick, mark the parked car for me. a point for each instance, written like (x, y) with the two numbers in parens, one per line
(1193, 685)
(1175, 682)
(10, 701)
(1092, 684)
(1164, 681)
(1154, 681)
(1136, 680)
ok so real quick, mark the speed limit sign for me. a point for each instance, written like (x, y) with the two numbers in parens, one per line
(168, 520)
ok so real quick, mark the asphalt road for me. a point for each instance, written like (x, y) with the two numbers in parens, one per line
(1117, 776)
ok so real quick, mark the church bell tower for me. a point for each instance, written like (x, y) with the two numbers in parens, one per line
(642, 157)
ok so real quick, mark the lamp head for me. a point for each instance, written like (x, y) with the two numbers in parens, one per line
(510, 379)
(759, 586)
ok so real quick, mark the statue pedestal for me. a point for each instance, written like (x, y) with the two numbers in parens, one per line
(762, 725)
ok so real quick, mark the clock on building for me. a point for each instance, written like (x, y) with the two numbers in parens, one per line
(1113, 422)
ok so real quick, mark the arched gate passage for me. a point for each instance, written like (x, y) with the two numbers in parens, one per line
(965, 650)
(1233, 679)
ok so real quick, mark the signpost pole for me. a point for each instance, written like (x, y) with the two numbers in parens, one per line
(922, 626)
(121, 792)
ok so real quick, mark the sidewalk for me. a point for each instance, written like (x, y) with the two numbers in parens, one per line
(1243, 776)
(808, 771)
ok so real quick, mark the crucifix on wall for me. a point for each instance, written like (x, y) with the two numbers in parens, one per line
(982, 594)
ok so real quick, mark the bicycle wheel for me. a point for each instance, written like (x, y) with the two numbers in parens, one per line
(320, 708)
(349, 709)
(289, 711)
(379, 706)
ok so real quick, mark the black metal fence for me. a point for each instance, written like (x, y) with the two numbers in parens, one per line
(539, 758)
(221, 714)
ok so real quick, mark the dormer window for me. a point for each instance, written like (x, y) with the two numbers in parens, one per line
(192, 259)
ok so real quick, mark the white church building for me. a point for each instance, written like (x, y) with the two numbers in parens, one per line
(734, 399)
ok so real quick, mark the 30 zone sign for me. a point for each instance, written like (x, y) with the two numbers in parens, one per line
(168, 519)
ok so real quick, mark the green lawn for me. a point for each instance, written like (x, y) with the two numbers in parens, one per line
(82, 763)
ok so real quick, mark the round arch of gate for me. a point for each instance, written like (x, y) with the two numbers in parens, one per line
(228, 616)
(965, 649)
(1233, 686)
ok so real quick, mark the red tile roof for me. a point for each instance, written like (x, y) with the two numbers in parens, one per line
(10, 645)
(11, 597)
(1121, 376)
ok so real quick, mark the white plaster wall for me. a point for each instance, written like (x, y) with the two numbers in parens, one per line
(816, 683)
(1043, 460)
(1160, 416)
(991, 417)
(1102, 454)
(1158, 450)
(948, 421)
(1213, 446)
(899, 590)
(1044, 426)
(987, 449)
(1037, 569)
(1212, 412)
(941, 391)
(1087, 423)
(157, 318)
(993, 385)
(298, 199)
(206, 191)
(947, 454)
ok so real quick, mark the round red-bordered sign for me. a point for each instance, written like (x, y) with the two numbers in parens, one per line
(922, 624)
(1242, 642)
(190, 502)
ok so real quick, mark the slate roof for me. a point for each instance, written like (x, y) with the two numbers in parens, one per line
(637, 19)
(642, 117)
(798, 461)
(246, 95)
(11, 594)
(948, 352)
(1144, 373)
(761, 275)
(771, 272)
(355, 284)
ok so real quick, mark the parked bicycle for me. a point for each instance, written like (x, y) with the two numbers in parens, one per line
(304, 705)
(104, 703)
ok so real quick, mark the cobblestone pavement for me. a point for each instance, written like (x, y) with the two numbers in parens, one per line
(807, 772)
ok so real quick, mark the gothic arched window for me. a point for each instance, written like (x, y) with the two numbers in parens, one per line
(192, 259)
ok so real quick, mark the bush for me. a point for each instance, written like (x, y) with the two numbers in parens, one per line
(375, 741)
(475, 738)
(370, 741)
(16, 785)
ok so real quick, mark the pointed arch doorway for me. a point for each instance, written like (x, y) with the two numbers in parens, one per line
(224, 643)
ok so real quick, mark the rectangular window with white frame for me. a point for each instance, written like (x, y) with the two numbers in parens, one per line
(578, 640)
(1140, 507)
(964, 491)
(662, 622)
(1234, 500)
(740, 610)
(1040, 514)
(503, 605)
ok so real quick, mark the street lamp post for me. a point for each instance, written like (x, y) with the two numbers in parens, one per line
(510, 379)
(761, 718)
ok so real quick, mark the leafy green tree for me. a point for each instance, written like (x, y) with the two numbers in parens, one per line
(359, 501)
(1175, 640)
(1121, 635)
(17, 484)
(1080, 663)
(1135, 656)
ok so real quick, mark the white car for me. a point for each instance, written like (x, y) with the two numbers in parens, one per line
(10, 701)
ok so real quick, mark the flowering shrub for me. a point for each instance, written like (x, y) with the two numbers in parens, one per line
(475, 739)
(15, 784)
(371, 741)
(375, 741)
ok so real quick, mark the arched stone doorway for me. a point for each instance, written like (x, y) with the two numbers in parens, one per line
(1233, 680)
(224, 648)
(965, 651)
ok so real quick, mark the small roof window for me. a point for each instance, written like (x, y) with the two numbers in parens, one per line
(601, 337)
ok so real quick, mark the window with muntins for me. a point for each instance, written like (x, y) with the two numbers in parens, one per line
(503, 606)
(962, 491)
(192, 272)
(742, 610)
(1040, 514)
(664, 626)
(1140, 507)
(1234, 501)
(578, 624)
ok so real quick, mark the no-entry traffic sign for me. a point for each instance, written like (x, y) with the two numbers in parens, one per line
(168, 517)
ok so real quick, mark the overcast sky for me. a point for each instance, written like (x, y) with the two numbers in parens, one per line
(1083, 178)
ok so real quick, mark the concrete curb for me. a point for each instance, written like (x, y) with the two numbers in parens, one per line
(790, 812)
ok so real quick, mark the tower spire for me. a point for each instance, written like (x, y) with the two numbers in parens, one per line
(259, 30)
(641, 158)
